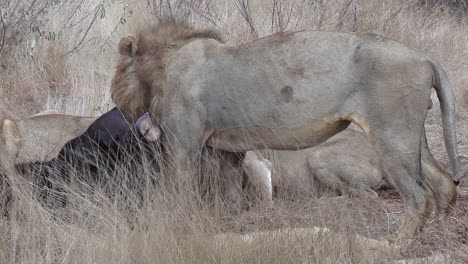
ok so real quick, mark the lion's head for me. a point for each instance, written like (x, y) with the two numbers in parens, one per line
(140, 69)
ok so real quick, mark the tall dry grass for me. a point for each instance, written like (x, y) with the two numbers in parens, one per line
(62, 56)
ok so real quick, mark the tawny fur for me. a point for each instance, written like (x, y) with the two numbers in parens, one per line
(43, 135)
(152, 49)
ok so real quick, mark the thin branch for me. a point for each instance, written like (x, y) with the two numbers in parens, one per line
(75, 11)
(24, 13)
(273, 13)
(85, 34)
(60, 7)
(320, 22)
(243, 8)
(290, 14)
(3, 31)
(196, 10)
(85, 43)
(391, 17)
(108, 37)
(81, 20)
(160, 7)
(278, 14)
(343, 12)
(171, 13)
(355, 22)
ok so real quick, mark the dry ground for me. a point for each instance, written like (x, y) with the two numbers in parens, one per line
(61, 55)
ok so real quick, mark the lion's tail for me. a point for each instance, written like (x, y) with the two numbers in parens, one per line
(447, 106)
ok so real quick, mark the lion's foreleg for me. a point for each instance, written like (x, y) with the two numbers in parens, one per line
(184, 130)
(258, 170)
(231, 178)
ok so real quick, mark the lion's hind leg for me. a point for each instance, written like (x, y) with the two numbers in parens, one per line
(231, 176)
(438, 181)
(401, 161)
(398, 146)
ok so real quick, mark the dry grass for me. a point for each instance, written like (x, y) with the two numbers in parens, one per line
(72, 73)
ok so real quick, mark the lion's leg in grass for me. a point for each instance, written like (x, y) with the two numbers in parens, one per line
(231, 178)
(438, 180)
(401, 160)
(398, 145)
(183, 136)
(258, 171)
(228, 167)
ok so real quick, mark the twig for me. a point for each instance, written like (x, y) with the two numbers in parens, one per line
(320, 22)
(273, 12)
(81, 20)
(60, 7)
(170, 10)
(200, 13)
(108, 37)
(278, 12)
(160, 7)
(392, 16)
(343, 12)
(208, 8)
(86, 43)
(24, 13)
(290, 13)
(243, 8)
(355, 22)
(3, 31)
(75, 11)
(85, 34)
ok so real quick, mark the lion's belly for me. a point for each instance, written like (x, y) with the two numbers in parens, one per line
(279, 138)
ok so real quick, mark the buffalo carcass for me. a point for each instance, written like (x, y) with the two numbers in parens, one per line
(107, 156)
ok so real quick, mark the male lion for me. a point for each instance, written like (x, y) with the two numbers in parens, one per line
(289, 91)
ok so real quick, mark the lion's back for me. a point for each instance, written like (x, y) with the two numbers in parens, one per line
(43, 136)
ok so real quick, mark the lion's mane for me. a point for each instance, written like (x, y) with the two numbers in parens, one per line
(140, 69)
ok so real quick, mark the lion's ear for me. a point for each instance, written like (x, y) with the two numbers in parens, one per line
(147, 129)
(128, 46)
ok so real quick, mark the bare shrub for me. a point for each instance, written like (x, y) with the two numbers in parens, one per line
(458, 7)
(281, 15)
